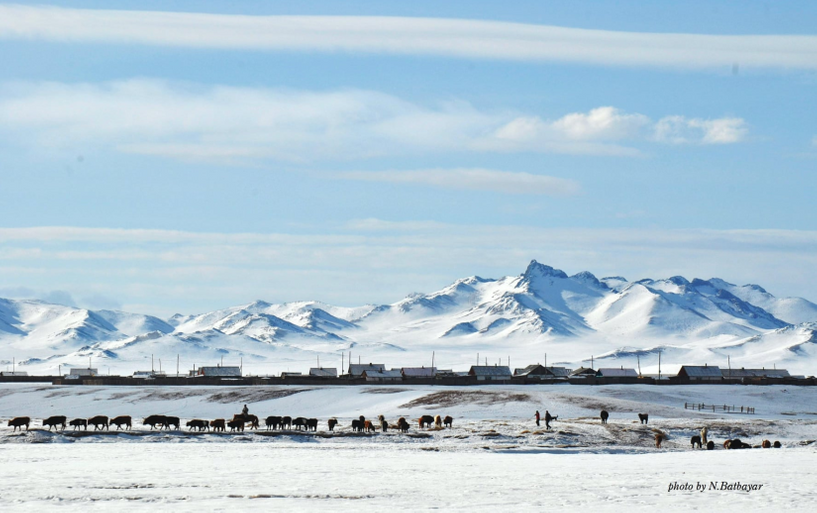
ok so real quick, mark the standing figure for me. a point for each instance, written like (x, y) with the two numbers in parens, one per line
(536, 415)
(245, 411)
(548, 418)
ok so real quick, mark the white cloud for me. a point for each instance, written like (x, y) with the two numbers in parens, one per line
(219, 123)
(679, 130)
(401, 35)
(473, 179)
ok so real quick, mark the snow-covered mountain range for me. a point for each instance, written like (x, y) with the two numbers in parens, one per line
(541, 315)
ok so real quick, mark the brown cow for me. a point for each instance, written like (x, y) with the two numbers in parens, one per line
(710, 445)
(99, 422)
(217, 424)
(76, 423)
(272, 422)
(332, 423)
(604, 416)
(368, 426)
(776, 445)
(299, 423)
(201, 425)
(658, 439)
(286, 422)
(154, 420)
(236, 425)
(54, 421)
(766, 444)
(448, 421)
(643, 418)
(357, 425)
(312, 424)
(122, 420)
(19, 422)
(172, 421)
(425, 421)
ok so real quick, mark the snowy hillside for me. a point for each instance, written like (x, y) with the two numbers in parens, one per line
(540, 314)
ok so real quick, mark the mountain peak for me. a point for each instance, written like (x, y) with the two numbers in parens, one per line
(537, 270)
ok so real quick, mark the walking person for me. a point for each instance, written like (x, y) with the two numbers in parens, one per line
(548, 418)
(536, 415)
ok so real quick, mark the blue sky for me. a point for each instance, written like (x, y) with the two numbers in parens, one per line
(165, 162)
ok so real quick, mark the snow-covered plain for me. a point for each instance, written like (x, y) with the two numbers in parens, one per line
(493, 456)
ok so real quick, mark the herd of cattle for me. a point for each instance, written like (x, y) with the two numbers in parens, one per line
(238, 423)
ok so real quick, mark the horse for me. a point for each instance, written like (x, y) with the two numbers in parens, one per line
(710, 445)
(172, 421)
(217, 424)
(332, 423)
(604, 415)
(250, 419)
(659, 437)
(201, 425)
(312, 424)
(122, 420)
(766, 444)
(154, 420)
(448, 421)
(299, 423)
(19, 422)
(696, 440)
(272, 422)
(76, 423)
(644, 418)
(403, 425)
(54, 421)
(438, 422)
(703, 434)
(99, 422)
(425, 421)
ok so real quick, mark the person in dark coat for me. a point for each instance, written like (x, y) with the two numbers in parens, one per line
(245, 411)
(536, 415)
(548, 418)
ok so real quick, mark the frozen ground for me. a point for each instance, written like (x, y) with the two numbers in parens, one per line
(493, 456)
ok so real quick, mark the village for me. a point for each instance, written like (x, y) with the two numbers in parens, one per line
(377, 373)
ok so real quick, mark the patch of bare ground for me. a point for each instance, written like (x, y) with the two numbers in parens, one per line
(382, 391)
(253, 395)
(170, 395)
(457, 397)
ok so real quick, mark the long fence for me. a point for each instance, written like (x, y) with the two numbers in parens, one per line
(717, 407)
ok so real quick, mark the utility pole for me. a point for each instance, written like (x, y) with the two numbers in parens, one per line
(342, 356)
(151, 364)
(177, 365)
(659, 364)
(638, 358)
(432, 359)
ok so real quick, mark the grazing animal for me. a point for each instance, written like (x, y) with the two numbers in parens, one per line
(272, 422)
(368, 426)
(218, 424)
(99, 422)
(658, 439)
(201, 425)
(727, 443)
(710, 445)
(252, 420)
(438, 422)
(312, 424)
(738, 444)
(236, 425)
(299, 423)
(75, 423)
(122, 420)
(357, 425)
(380, 418)
(604, 415)
(696, 440)
(332, 423)
(403, 425)
(776, 445)
(425, 421)
(703, 434)
(54, 421)
(766, 444)
(286, 422)
(644, 418)
(154, 420)
(448, 421)
(172, 421)
(19, 422)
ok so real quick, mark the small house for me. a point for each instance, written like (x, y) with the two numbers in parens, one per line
(700, 373)
(356, 370)
(490, 372)
(419, 372)
(381, 376)
(583, 372)
(323, 372)
(537, 371)
(220, 372)
(616, 373)
(755, 373)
